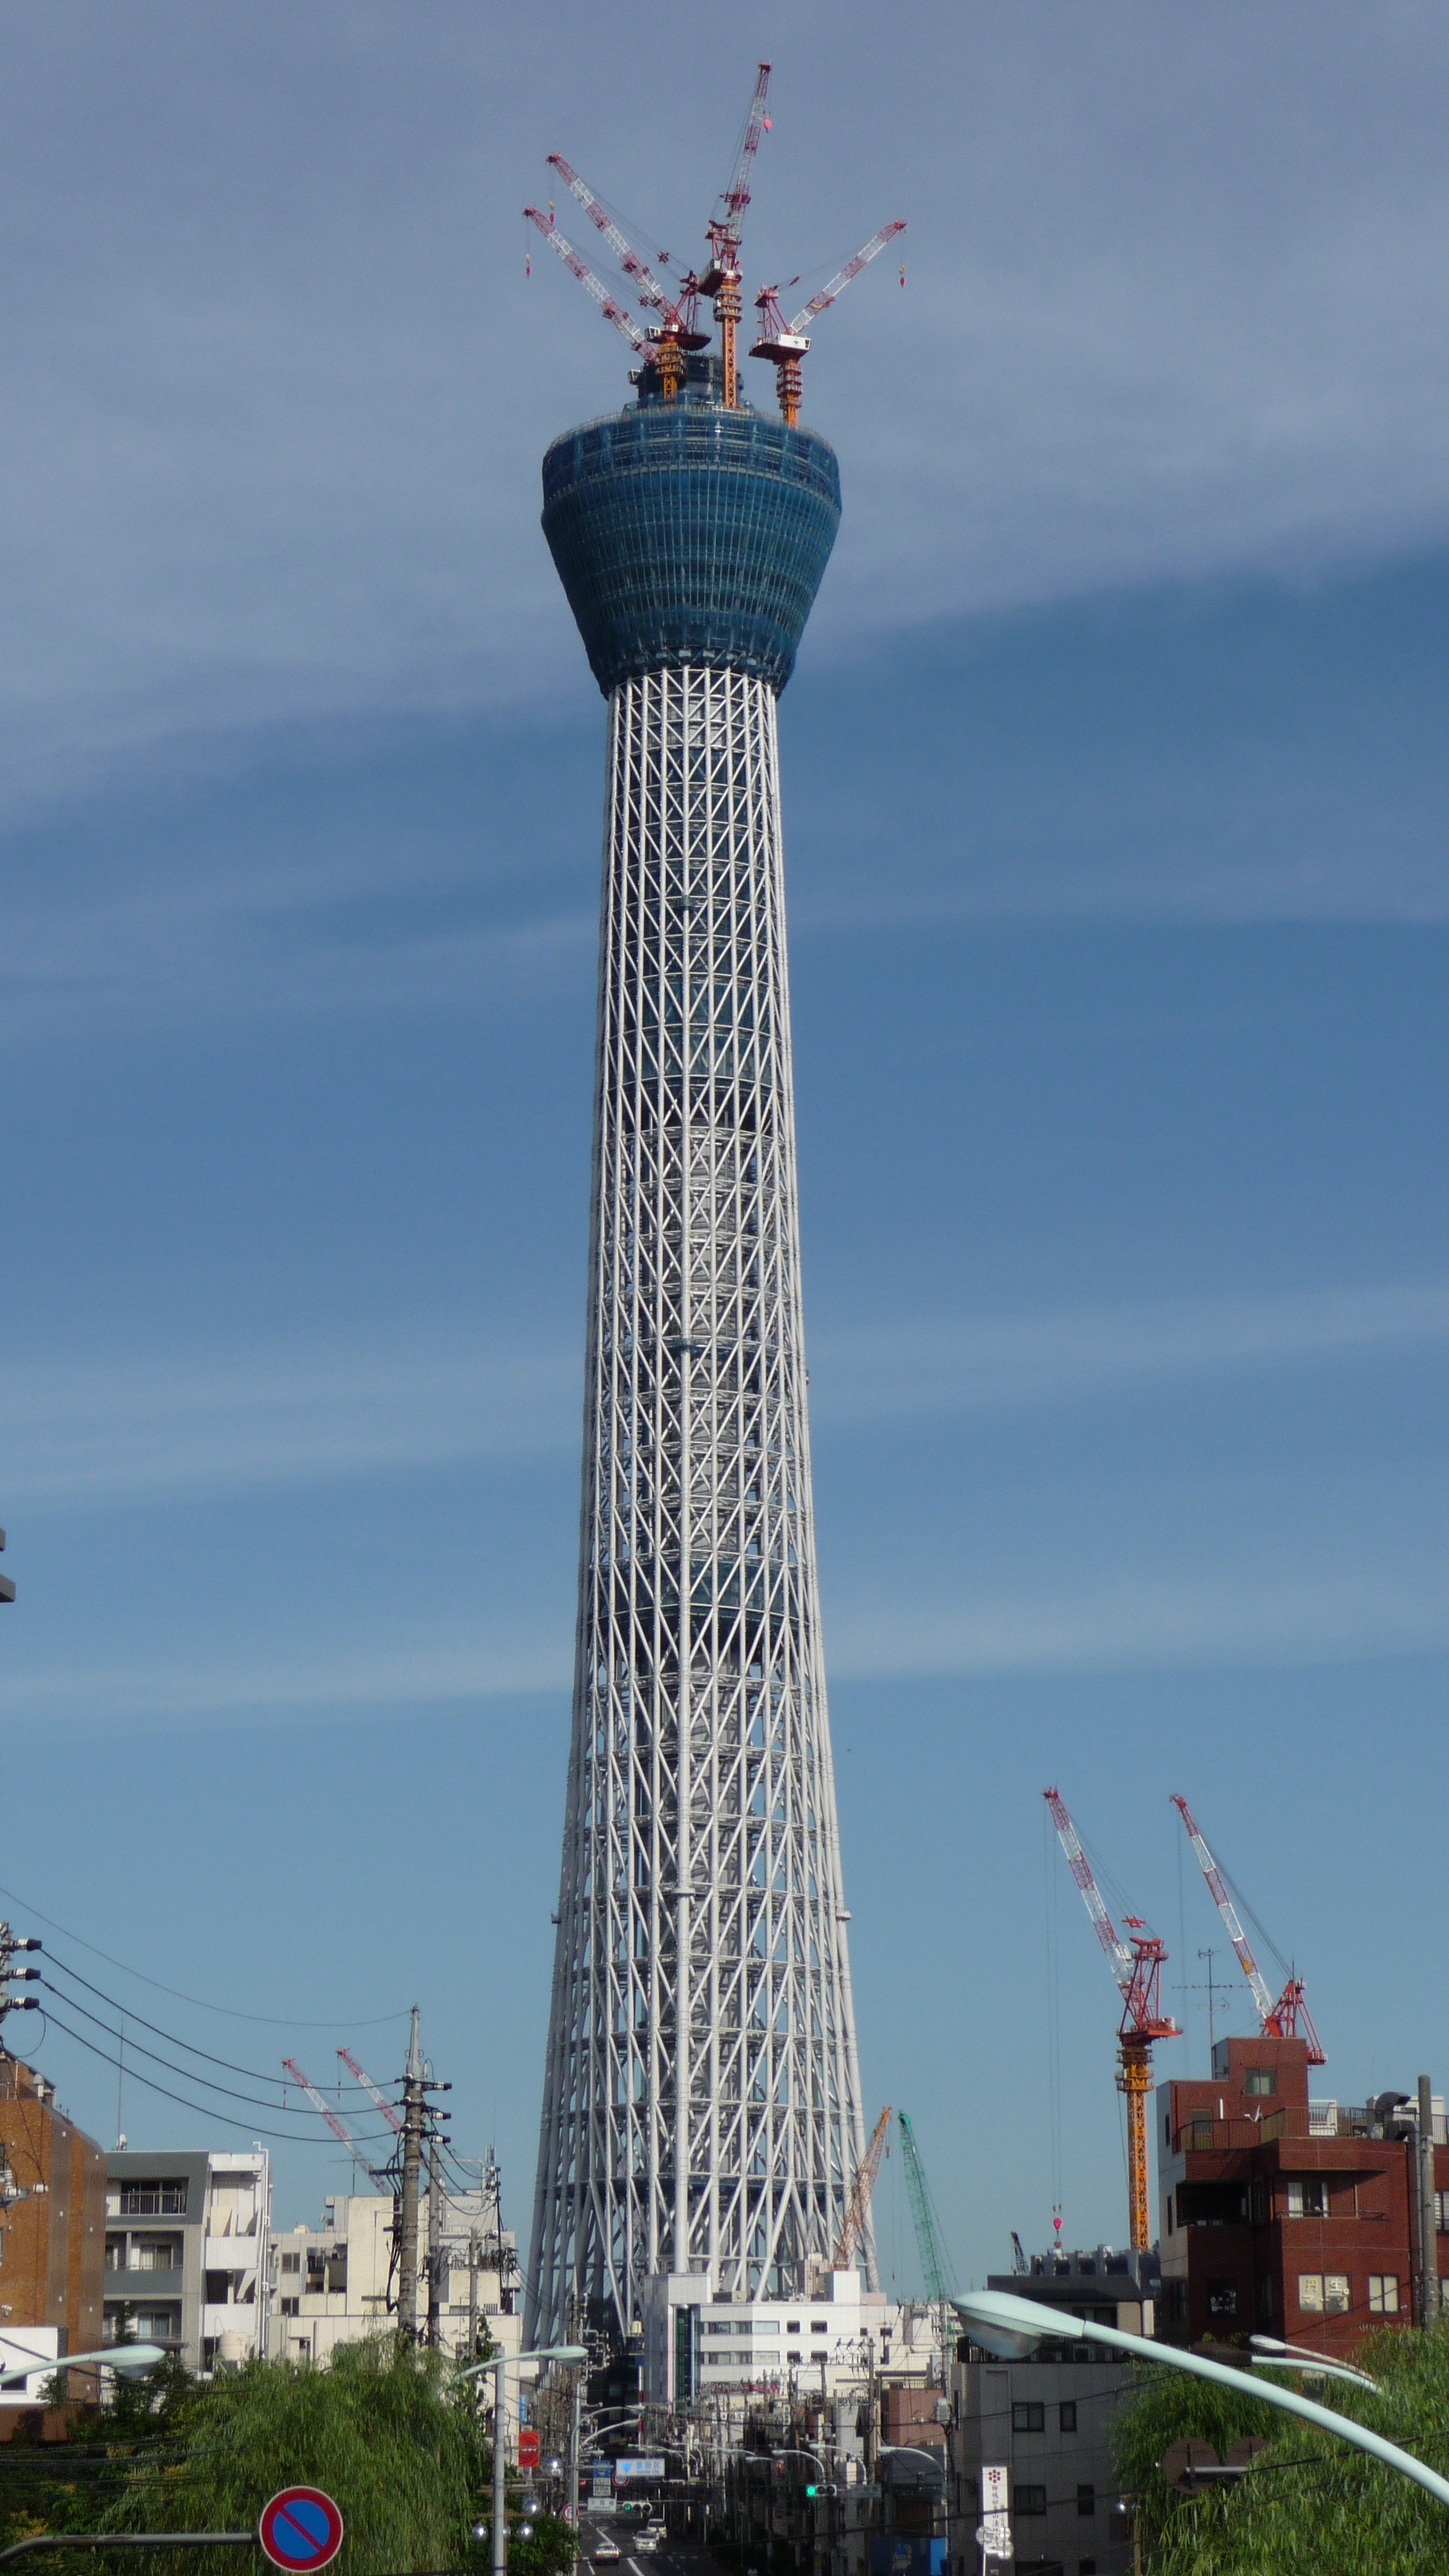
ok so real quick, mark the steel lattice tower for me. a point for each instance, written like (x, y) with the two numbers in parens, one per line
(701, 1979)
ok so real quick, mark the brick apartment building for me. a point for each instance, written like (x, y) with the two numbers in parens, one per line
(53, 2217)
(1283, 2216)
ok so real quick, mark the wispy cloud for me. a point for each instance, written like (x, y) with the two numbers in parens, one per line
(276, 396)
(969, 1364)
(99, 1431)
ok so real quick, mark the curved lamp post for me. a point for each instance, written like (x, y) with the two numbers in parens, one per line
(565, 2352)
(1016, 2324)
(112, 2356)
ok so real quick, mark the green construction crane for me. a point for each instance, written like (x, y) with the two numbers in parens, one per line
(923, 2216)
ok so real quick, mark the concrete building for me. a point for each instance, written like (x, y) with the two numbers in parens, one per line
(1048, 2419)
(52, 2222)
(186, 2238)
(336, 2283)
(696, 2343)
(1284, 2215)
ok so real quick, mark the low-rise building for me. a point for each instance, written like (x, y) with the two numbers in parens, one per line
(337, 2283)
(697, 2342)
(1287, 2216)
(186, 2238)
(52, 2223)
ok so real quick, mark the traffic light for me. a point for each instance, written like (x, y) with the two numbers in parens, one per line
(812, 2492)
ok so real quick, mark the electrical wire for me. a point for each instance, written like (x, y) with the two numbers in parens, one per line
(273, 2021)
(208, 2083)
(203, 2110)
(255, 2074)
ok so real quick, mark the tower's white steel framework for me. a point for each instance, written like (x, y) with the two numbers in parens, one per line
(702, 2104)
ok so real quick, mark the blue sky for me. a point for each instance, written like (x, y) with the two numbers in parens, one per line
(1114, 777)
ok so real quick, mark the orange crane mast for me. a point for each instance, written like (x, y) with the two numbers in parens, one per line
(1138, 1970)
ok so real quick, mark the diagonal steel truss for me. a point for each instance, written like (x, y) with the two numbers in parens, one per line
(700, 1843)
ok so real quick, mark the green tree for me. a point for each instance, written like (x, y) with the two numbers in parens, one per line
(1311, 2506)
(385, 2430)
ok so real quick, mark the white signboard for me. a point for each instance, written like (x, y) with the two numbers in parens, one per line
(995, 2517)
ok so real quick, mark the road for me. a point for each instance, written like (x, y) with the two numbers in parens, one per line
(667, 2558)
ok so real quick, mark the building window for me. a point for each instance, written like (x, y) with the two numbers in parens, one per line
(1383, 2294)
(162, 2199)
(1324, 2293)
(1029, 2499)
(1086, 2501)
(155, 2325)
(291, 2307)
(1028, 2415)
(1261, 2080)
(291, 2262)
(1441, 2212)
(1222, 2298)
(1265, 2298)
(155, 2253)
(1199, 2138)
(792, 2325)
(1307, 2196)
(1068, 2414)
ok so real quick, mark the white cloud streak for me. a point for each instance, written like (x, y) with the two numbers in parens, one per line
(107, 1430)
(276, 390)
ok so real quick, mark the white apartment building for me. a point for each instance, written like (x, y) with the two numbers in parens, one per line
(186, 2252)
(336, 2283)
(820, 2344)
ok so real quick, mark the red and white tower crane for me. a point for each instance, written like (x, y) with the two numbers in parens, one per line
(785, 343)
(1137, 1966)
(373, 2090)
(675, 332)
(725, 229)
(1289, 2017)
(338, 2128)
(578, 267)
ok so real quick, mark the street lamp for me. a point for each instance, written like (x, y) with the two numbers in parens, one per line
(568, 2353)
(114, 2356)
(1011, 2326)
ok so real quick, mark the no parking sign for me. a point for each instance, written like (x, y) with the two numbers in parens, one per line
(300, 2530)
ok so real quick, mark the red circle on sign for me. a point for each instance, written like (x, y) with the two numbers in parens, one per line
(300, 2529)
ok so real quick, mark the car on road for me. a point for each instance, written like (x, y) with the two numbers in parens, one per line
(607, 2554)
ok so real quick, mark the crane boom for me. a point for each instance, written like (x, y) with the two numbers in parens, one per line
(650, 290)
(1118, 1955)
(579, 268)
(1289, 2017)
(736, 196)
(857, 2207)
(368, 2086)
(843, 276)
(923, 2217)
(1217, 1889)
(320, 2103)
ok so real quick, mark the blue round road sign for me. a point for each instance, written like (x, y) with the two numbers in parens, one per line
(300, 2530)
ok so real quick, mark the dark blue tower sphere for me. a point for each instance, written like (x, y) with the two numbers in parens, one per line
(684, 533)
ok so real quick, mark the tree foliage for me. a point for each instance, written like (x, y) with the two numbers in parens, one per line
(385, 2429)
(1310, 2503)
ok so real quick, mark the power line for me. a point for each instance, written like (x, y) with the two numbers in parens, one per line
(256, 2074)
(204, 2111)
(208, 2082)
(273, 2021)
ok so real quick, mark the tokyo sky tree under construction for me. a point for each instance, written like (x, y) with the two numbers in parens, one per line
(701, 2099)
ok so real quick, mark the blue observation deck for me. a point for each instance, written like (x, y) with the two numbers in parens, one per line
(685, 533)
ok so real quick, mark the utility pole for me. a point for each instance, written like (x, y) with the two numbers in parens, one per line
(435, 2241)
(412, 2149)
(1429, 2303)
(472, 2294)
(12, 1976)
